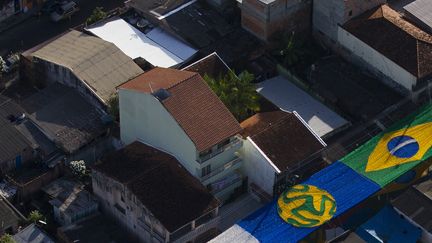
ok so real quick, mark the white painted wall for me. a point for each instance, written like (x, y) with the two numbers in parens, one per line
(328, 14)
(376, 59)
(257, 168)
(143, 117)
(109, 193)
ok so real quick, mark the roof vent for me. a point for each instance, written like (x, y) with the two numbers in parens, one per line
(161, 94)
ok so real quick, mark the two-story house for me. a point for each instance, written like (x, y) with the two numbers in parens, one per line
(177, 112)
(153, 196)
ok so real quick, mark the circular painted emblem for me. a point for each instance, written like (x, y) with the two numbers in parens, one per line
(403, 146)
(306, 206)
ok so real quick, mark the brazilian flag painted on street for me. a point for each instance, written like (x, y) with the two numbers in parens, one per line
(395, 151)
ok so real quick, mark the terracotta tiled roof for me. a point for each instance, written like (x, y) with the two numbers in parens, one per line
(195, 107)
(211, 65)
(282, 137)
(161, 184)
(387, 32)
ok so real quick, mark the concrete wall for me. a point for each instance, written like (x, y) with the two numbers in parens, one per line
(376, 60)
(50, 72)
(328, 14)
(26, 191)
(264, 20)
(110, 193)
(257, 168)
(10, 164)
(142, 117)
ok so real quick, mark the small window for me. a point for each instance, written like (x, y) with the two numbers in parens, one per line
(206, 170)
(350, 13)
(122, 198)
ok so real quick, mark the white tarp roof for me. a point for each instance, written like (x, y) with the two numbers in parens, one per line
(289, 97)
(159, 48)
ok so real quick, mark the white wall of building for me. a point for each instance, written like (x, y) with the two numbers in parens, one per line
(328, 14)
(376, 60)
(136, 216)
(143, 117)
(257, 168)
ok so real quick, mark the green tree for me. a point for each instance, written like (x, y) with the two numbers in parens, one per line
(290, 50)
(7, 238)
(236, 92)
(97, 14)
(34, 216)
(113, 106)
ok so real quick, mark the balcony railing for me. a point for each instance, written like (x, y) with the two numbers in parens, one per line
(225, 186)
(221, 169)
(146, 227)
(213, 223)
(217, 151)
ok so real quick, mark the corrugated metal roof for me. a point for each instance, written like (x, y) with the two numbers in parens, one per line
(12, 142)
(32, 234)
(100, 64)
(422, 10)
(157, 47)
(289, 97)
(65, 116)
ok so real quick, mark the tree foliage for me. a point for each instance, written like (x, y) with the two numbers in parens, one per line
(113, 106)
(290, 50)
(34, 216)
(7, 238)
(78, 168)
(97, 14)
(236, 92)
(2, 66)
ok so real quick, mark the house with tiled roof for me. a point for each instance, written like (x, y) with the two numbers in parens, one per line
(177, 112)
(276, 147)
(389, 45)
(152, 195)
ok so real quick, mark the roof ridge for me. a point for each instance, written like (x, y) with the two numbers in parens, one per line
(396, 18)
(183, 80)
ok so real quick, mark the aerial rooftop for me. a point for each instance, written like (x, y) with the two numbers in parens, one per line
(70, 197)
(159, 181)
(65, 116)
(97, 63)
(289, 97)
(212, 65)
(421, 11)
(283, 137)
(192, 103)
(157, 46)
(12, 142)
(387, 32)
